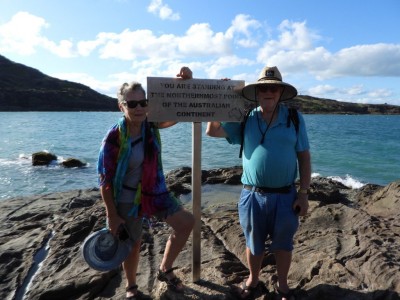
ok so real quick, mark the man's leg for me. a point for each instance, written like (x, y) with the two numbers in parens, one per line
(283, 261)
(254, 262)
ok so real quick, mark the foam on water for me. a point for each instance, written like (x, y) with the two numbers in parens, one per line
(348, 181)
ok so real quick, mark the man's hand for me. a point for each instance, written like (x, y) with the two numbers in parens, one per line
(300, 205)
(185, 73)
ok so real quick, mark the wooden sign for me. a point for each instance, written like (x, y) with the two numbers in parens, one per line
(195, 100)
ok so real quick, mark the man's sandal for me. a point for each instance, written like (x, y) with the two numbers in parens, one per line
(172, 283)
(289, 295)
(134, 290)
(249, 292)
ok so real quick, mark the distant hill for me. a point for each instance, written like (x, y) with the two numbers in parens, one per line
(313, 105)
(23, 88)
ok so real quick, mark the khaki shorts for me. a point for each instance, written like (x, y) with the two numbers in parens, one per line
(133, 225)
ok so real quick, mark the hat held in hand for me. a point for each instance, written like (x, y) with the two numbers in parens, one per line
(269, 76)
(103, 251)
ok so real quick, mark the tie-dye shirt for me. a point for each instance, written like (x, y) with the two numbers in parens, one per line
(152, 195)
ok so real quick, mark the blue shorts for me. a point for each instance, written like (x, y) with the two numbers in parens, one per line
(262, 215)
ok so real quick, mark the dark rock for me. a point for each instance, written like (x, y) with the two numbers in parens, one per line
(42, 158)
(73, 163)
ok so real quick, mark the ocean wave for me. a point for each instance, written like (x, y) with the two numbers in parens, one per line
(348, 181)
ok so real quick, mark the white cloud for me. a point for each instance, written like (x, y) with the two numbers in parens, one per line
(215, 68)
(129, 45)
(85, 48)
(162, 10)
(200, 40)
(356, 94)
(380, 94)
(23, 35)
(356, 90)
(108, 87)
(320, 90)
(295, 51)
(364, 60)
(243, 25)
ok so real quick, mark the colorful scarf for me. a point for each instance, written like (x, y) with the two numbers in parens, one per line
(152, 195)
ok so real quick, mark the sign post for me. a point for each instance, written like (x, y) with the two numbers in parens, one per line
(195, 100)
(196, 199)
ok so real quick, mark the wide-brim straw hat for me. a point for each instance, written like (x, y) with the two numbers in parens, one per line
(104, 252)
(269, 76)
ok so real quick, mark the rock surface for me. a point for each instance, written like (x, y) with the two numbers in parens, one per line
(347, 247)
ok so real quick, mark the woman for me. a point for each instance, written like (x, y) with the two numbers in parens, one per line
(132, 184)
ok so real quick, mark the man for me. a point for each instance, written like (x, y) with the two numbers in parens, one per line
(269, 204)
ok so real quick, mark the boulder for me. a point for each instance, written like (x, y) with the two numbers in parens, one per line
(73, 163)
(42, 158)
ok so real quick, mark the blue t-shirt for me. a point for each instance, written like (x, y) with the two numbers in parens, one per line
(274, 162)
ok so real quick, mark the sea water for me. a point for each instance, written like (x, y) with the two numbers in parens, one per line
(353, 149)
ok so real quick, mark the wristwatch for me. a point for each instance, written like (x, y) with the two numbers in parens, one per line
(304, 191)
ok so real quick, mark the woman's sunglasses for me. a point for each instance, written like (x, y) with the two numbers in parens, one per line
(133, 104)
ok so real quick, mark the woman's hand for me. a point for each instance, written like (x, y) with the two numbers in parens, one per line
(185, 73)
(114, 222)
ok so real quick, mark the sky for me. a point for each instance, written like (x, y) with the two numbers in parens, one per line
(346, 50)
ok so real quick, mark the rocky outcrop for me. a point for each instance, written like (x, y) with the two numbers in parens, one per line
(23, 88)
(346, 247)
(44, 158)
(73, 163)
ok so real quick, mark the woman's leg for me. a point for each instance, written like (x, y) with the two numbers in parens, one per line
(130, 266)
(182, 223)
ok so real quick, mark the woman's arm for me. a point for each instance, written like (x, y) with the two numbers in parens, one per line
(114, 220)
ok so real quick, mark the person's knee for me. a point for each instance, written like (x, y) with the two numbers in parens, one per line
(188, 222)
(182, 222)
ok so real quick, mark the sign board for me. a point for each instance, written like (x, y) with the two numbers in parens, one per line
(195, 100)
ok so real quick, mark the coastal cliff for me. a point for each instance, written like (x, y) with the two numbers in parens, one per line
(23, 88)
(346, 247)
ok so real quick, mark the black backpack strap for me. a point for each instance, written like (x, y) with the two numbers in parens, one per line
(133, 144)
(293, 117)
(242, 126)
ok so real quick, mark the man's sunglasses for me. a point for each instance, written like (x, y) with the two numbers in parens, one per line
(266, 88)
(133, 104)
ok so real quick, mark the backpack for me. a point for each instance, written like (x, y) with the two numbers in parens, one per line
(293, 117)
